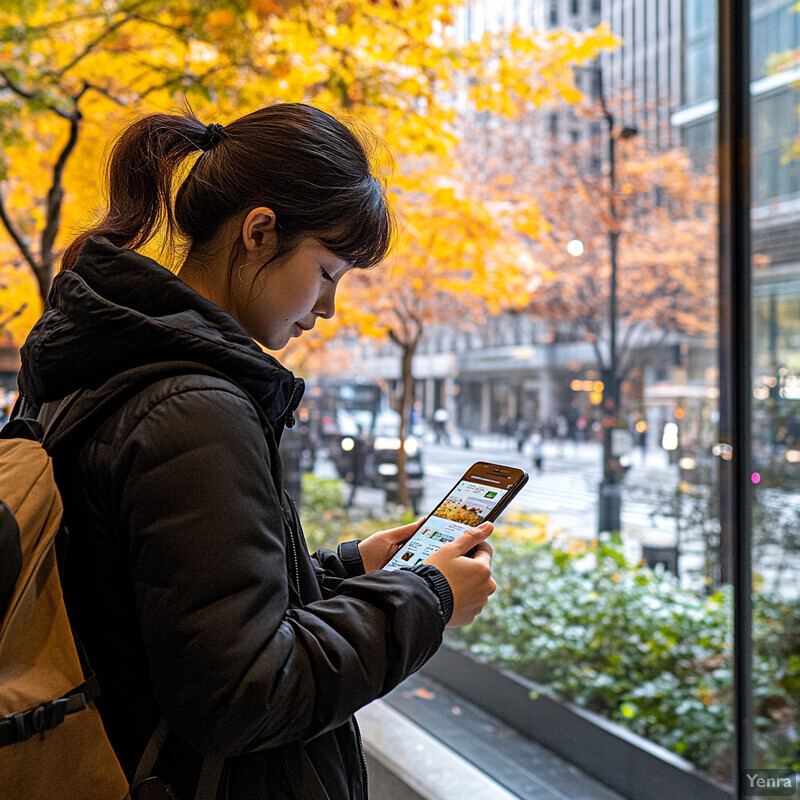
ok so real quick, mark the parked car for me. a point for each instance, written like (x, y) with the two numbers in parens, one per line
(374, 439)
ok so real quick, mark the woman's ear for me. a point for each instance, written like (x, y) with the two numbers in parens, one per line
(258, 229)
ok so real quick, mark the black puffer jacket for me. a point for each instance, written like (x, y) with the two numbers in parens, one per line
(187, 576)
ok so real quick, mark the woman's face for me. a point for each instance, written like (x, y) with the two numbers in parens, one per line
(284, 300)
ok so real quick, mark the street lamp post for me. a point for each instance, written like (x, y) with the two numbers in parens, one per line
(610, 499)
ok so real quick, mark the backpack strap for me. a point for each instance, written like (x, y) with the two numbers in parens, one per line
(150, 755)
(210, 777)
(19, 727)
(210, 772)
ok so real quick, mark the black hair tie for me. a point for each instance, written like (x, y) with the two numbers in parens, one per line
(213, 135)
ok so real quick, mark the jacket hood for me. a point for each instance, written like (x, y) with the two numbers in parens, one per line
(117, 309)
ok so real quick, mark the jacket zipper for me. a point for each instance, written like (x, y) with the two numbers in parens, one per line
(294, 401)
(363, 758)
(292, 541)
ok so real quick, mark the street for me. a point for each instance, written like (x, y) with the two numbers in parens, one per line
(566, 489)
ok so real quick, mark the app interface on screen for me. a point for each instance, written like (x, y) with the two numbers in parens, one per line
(466, 506)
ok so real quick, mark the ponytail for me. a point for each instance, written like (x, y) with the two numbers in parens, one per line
(139, 179)
(313, 171)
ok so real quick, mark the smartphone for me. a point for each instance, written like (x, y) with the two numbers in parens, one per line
(480, 495)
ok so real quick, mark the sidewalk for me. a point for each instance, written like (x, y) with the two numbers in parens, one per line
(424, 742)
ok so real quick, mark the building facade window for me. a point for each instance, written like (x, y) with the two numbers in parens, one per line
(775, 29)
(699, 138)
(775, 127)
(701, 48)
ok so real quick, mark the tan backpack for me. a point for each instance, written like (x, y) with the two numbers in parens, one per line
(52, 742)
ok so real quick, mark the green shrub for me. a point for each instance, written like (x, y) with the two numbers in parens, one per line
(327, 521)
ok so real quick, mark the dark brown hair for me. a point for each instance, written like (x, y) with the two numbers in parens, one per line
(313, 171)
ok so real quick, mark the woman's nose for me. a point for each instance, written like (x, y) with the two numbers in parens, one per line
(326, 304)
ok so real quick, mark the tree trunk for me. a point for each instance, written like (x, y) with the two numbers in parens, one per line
(406, 402)
(43, 267)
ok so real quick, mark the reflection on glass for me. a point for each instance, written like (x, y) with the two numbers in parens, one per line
(776, 390)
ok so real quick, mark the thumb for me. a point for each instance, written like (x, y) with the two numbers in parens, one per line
(404, 531)
(471, 538)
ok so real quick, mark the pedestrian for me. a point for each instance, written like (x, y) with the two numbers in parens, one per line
(440, 419)
(187, 577)
(562, 430)
(537, 450)
(522, 432)
(358, 463)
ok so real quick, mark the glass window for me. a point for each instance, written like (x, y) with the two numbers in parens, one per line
(609, 567)
(699, 138)
(775, 29)
(614, 585)
(700, 72)
(700, 18)
(775, 128)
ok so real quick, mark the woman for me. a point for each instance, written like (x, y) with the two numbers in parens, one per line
(187, 576)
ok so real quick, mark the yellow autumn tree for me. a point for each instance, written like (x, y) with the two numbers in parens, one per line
(73, 71)
(457, 259)
(461, 253)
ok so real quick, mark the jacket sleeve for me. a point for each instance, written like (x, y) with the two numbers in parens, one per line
(234, 666)
(331, 568)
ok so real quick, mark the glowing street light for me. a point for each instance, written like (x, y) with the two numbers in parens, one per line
(575, 248)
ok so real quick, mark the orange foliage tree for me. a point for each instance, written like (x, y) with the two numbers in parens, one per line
(70, 71)
(458, 258)
(660, 210)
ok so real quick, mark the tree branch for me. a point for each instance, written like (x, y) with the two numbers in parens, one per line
(18, 90)
(17, 236)
(55, 198)
(12, 316)
(90, 46)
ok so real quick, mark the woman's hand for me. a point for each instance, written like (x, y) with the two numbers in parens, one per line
(470, 577)
(376, 550)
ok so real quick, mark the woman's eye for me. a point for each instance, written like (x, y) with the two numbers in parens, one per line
(326, 276)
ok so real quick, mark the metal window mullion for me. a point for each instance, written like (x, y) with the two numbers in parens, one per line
(735, 330)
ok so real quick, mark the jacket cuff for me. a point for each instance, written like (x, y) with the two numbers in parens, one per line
(351, 558)
(439, 584)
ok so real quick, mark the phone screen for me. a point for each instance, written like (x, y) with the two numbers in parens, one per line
(481, 493)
